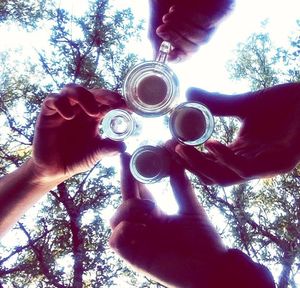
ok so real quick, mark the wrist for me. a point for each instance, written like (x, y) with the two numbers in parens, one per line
(40, 176)
(235, 269)
(203, 271)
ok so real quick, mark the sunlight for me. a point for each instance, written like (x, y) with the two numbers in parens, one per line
(65, 264)
(88, 217)
(207, 69)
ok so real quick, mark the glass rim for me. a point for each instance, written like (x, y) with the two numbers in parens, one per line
(135, 172)
(109, 133)
(151, 68)
(210, 123)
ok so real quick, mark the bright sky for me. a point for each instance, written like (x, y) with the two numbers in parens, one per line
(207, 69)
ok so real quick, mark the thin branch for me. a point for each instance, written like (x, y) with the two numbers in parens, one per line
(279, 242)
(47, 68)
(40, 257)
(21, 248)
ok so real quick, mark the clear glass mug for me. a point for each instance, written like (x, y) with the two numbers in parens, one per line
(151, 88)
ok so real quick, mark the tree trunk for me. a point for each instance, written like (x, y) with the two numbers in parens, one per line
(284, 278)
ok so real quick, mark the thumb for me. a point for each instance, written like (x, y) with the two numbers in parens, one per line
(109, 147)
(183, 192)
(221, 104)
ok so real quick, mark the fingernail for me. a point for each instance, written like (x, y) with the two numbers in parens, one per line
(172, 8)
(71, 85)
(124, 157)
(123, 147)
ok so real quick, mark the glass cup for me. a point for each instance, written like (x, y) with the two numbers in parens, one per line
(149, 164)
(151, 88)
(118, 124)
(191, 123)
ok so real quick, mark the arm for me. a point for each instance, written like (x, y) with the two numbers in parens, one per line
(182, 250)
(66, 142)
(20, 190)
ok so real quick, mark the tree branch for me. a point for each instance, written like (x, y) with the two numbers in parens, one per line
(53, 279)
(77, 235)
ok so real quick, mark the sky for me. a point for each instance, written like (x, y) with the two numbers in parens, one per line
(209, 62)
(206, 69)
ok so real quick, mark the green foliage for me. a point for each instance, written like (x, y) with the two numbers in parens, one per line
(89, 50)
(64, 242)
(26, 13)
(256, 62)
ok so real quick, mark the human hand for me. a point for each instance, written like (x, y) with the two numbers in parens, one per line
(268, 142)
(67, 139)
(179, 250)
(186, 25)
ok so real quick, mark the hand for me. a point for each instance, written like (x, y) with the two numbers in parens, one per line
(267, 144)
(67, 139)
(179, 250)
(186, 25)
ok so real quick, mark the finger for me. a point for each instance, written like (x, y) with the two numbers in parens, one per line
(48, 106)
(107, 147)
(63, 107)
(144, 192)
(226, 155)
(82, 97)
(131, 241)
(133, 210)
(170, 145)
(109, 98)
(220, 104)
(176, 39)
(177, 55)
(183, 191)
(189, 31)
(198, 163)
(103, 109)
(267, 163)
(129, 187)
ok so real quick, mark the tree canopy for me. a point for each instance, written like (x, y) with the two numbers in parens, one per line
(62, 242)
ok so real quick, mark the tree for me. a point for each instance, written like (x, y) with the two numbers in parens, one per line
(67, 244)
(262, 217)
(25, 13)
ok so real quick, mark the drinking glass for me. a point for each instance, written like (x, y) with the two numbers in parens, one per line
(151, 88)
(118, 124)
(191, 123)
(149, 164)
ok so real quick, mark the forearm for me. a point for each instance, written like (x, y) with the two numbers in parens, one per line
(235, 269)
(20, 190)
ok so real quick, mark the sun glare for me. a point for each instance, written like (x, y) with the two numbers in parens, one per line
(206, 70)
